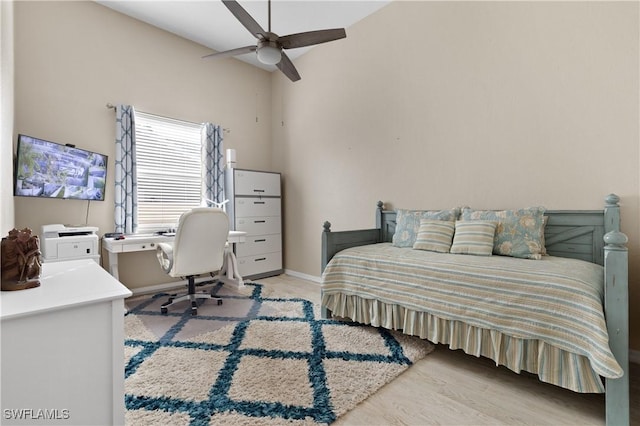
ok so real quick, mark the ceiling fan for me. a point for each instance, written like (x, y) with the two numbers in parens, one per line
(269, 48)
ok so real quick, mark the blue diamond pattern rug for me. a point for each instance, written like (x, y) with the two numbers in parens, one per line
(253, 360)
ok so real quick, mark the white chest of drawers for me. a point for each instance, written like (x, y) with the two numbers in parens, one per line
(255, 207)
(62, 348)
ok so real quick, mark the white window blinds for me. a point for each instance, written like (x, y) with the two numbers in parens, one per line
(169, 170)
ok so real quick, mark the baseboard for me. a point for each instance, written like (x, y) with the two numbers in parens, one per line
(302, 276)
(157, 288)
(634, 356)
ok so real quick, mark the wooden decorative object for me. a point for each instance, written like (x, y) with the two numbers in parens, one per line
(20, 260)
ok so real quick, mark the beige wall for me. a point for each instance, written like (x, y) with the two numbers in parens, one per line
(72, 58)
(6, 117)
(424, 105)
(442, 104)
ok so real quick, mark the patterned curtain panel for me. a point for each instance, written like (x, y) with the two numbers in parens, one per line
(125, 171)
(213, 162)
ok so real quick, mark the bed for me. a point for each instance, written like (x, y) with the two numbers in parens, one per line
(563, 317)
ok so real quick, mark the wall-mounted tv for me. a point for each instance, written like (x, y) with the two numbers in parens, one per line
(52, 170)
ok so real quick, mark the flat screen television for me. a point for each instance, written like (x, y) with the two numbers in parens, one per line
(52, 170)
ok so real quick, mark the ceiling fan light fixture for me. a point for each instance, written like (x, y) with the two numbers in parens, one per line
(269, 52)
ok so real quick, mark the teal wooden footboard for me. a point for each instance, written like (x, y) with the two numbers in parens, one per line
(590, 235)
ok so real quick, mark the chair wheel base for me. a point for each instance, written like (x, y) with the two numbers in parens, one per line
(191, 297)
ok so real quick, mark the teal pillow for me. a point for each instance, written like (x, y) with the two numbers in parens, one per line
(408, 223)
(434, 235)
(520, 233)
(474, 237)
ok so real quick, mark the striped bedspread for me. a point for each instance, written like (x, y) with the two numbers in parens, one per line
(554, 300)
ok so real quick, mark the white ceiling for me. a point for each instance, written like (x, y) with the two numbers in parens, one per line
(211, 24)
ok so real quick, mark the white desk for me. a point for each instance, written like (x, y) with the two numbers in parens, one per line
(133, 243)
(62, 346)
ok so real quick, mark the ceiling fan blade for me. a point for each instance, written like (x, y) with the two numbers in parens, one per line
(286, 66)
(232, 52)
(309, 38)
(244, 18)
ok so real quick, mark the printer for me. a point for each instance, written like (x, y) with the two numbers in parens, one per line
(66, 242)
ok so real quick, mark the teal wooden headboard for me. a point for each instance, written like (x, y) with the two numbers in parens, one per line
(577, 234)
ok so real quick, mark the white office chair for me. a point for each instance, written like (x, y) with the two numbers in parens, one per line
(198, 248)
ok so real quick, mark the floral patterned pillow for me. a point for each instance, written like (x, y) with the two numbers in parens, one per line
(520, 233)
(408, 223)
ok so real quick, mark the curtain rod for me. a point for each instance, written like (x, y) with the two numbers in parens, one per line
(112, 106)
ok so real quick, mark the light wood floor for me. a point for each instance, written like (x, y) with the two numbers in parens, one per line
(451, 388)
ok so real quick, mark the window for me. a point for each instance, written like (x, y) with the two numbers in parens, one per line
(169, 170)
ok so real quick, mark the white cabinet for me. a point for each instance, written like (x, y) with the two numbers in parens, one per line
(63, 348)
(255, 207)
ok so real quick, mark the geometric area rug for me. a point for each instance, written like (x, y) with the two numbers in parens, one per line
(253, 360)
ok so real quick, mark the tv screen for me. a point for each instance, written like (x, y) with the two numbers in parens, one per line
(52, 170)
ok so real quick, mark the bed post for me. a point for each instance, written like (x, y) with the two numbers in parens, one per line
(616, 307)
(379, 215)
(326, 228)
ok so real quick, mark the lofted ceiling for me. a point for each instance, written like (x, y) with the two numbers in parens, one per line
(210, 23)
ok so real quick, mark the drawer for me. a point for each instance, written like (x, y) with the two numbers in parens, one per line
(139, 246)
(257, 183)
(259, 225)
(252, 207)
(257, 244)
(76, 249)
(253, 265)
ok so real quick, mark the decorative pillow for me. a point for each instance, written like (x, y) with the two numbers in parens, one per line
(408, 223)
(520, 233)
(474, 237)
(435, 235)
